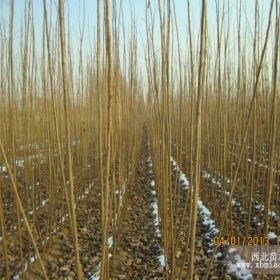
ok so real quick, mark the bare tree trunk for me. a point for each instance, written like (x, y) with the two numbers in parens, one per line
(68, 138)
(197, 154)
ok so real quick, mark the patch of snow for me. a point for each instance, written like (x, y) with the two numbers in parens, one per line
(20, 162)
(204, 212)
(110, 241)
(272, 214)
(212, 229)
(206, 175)
(96, 275)
(183, 178)
(154, 204)
(242, 273)
(3, 168)
(272, 235)
(26, 264)
(156, 219)
(161, 259)
(219, 255)
(259, 207)
(184, 181)
(203, 209)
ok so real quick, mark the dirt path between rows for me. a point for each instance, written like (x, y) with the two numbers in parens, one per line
(139, 246)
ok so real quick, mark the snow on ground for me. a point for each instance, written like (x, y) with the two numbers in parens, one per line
(272, 235)
(19, 163)
(154, 204)
(215, 182)
(261, 165)
(161, 258)
(234, 202)
(3, 168)
(259, 206)
(121, 192)
(208, 222)
(26, 265)
(156, 220)
(204, 212)
(239, 267)
(271, 213)
(218, 184)
(212, 230)
(43, 204)
(96, 275)
(183, 178)
(59, 225)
